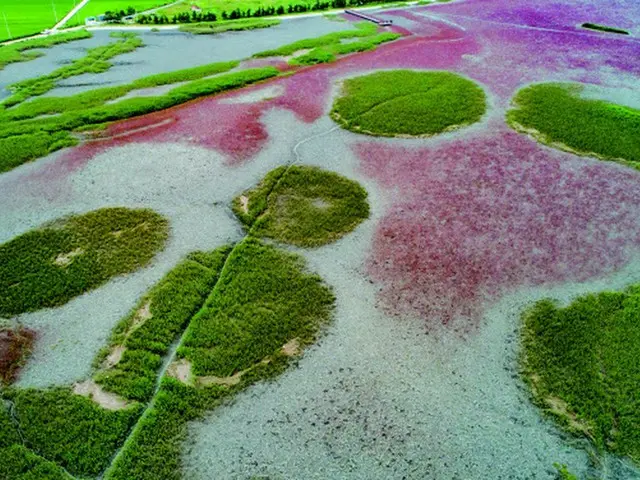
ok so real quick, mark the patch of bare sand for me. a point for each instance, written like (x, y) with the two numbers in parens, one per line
(244, 203)
(297, 54)
(115, 356)
(181, 370)
(561, 408)
(255, 96)
(142, 315)
(65, 259)
(92, 390)
(291, 348)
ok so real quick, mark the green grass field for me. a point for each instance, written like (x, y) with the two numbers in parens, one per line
(218, 6)
(404, 102)
(303, 206)
(49, 266)
(582, 363)
(210, 28)
(27, 17)
(98, 7)
(557, 115)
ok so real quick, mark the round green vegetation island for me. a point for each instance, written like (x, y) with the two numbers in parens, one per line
(49, 266)
(557, 115)
(408, 103)
(582, 363)
(303, 206)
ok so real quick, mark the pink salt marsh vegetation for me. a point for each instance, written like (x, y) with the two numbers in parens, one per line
(481, 215)
(479, 212)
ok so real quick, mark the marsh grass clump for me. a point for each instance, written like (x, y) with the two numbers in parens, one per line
(20, 463)
(145, 335)
(96, 61)
(26, 137)
(15, 347)
(329, 53)
(556, 115)
(49, 266)
(582, 363)
(209, 28)
(69, 429)
(264, 299)
(19, 149)
(27, 50)
(302, 205)
(363, 29)
(408, 103)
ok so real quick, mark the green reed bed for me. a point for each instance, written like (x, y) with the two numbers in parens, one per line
(604, 28)
(69, 430)
(263, 299)
(582, 363)
(27, 139)
(329, 53)
(363, 29)
(49, 266)
(557, 115)
(28, 49)
(304, 206)
(408, 103)
(147, 332)
(96, 61)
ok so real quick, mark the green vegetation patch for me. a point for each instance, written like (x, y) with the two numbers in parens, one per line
(69, 429)
(28, 137)
(24, 51)
(20, 463)
(15, 347)
(304, 206)
(185, 75)
(93, 98)
(49, 266)
(329, 53)
(604, 28)
(582, 363)
(363, 29)
(264, 299)
(96, 61)
(98, 7)
(145, 335)
(19, 149)
(556, 115)
(408, 103)
(208, 28)
(42, 14)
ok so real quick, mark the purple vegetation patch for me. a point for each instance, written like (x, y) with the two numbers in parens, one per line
(484, 214)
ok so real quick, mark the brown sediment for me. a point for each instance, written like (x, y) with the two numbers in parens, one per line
(244, 203)
(92, 390)
(142, 315)
(65, 259)
(561, 408)
(291, 348)
(115, 356)
(181, 370)
(15, 347)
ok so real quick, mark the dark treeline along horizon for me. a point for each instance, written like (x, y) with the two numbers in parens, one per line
(194, 17)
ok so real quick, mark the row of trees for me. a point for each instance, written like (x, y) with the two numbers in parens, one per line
(116, 17)
(194, 17)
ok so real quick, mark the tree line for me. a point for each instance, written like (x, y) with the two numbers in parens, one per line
(194, 17)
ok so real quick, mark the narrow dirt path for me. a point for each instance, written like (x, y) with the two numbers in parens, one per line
(68, 16)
